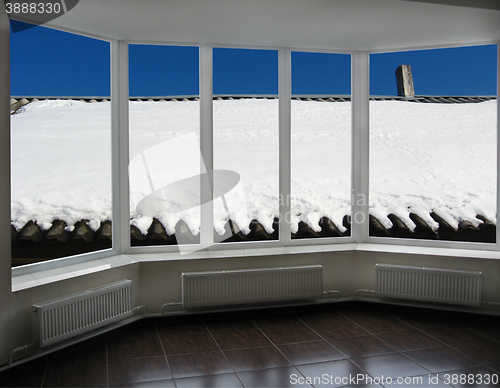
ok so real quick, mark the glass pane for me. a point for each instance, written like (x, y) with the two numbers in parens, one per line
(321, 145)
(433, 155)
(246, 141)
(61, 145)
(165, 159)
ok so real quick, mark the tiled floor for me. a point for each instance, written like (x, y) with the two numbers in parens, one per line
(340, 344)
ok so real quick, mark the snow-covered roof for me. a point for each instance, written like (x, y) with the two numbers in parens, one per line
(46, 237)
(18, 102)
(37, 245)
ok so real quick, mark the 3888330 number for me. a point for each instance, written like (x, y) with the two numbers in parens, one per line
(471, 379)
(32, 8)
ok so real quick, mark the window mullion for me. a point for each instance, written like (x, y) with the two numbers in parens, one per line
(206, 145)
(120, 146)
(360, 145)
(285, 147)
(498, 145)
(5, 144)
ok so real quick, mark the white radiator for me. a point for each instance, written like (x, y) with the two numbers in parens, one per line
(75, 314)
(213, 288)
(428, 284)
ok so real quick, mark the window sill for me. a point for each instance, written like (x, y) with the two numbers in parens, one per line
(25, 281)
(30, 280)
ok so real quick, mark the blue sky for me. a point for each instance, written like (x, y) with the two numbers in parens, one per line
(46, 62)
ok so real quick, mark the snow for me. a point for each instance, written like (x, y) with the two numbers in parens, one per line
(61, 163)
(423, 158)
(433, 157)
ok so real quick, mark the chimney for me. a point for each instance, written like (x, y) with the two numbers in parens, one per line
(404, 79)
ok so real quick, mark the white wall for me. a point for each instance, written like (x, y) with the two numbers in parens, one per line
(16, 314)
(343, 271)
(15, 308)
(365, 274)
(161, 281)
(7, 304)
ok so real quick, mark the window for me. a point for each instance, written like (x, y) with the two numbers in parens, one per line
(432, 166)
(61, 165)
(433, 155)
(164, 169)
(321, 145)
(246, 137)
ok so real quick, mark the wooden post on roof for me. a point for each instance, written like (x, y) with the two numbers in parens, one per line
(405, 81)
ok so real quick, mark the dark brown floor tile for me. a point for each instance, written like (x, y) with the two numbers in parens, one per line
(124, 349)
(331, 374)
(74, 373)
(377, 322)
(390, 365)
(310, 352)
(270, 311)
(198, 364)
(137, 370)
(490, 356)
(184, 328)
(223, 381)
(490, 332)
(453, 335)
(255, 358)
(337, 329)
(423, 320)
(30, 375)
(356, 306)
(495, 367)
(224, 315)
(472, 318)
(441, 359)
(134, 331)
(314, 317)
(173, 319)
(146, 384)
(488, 326)
(276, 320)
(342, 306)
(365, 345)
(469, 336)
(183, 344)
(462, 316)
(305, 308)
(477, 376)
(409, 340)
(290, 334)
(470, 342)
(273, 378)
(219, 326)
(88, 352)
(241, 339)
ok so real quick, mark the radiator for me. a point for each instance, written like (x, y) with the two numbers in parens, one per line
(213, 288)
(72, 315)
(428, 284)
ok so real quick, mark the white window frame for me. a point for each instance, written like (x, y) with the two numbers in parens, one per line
(467, 245)
(360, 78)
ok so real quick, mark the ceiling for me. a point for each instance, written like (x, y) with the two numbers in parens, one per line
(340, 25)
(486, 4)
